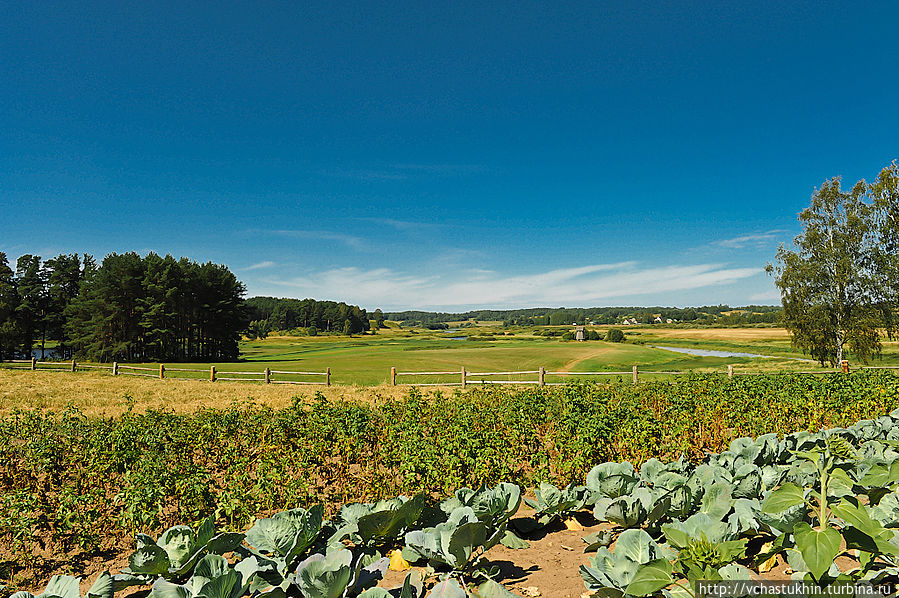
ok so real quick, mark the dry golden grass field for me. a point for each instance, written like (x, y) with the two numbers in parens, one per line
(102, 395)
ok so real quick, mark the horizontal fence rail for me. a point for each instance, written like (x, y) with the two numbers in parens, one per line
(465, 377)
(164, 372)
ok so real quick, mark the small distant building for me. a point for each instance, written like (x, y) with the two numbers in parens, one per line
(579, 334)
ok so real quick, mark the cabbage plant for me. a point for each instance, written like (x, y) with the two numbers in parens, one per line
(66, 586)
(213, 577)
(457, 546)
(494, 506)
(551, 503)
(176, 552)
(380, 523)
(611, 480)
(612, 571)
(335, 575)
(455, 543)
(279, 543)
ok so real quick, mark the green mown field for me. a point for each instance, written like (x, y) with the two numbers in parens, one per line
(367, 359)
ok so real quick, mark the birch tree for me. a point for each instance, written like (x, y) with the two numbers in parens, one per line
(829, 278)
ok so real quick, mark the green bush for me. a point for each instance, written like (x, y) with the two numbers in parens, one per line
(614, 335)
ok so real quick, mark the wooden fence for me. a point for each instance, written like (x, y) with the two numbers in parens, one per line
(163, 372)
(462, 377)
(465, 377)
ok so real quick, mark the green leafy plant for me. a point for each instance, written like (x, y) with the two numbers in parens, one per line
(551, 503)
(212, 577)
(378, 524)
(334, 575)
(66, 586)
(279, 542)
(178, 550)
(613, 571)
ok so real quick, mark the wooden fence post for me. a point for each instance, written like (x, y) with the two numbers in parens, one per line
(730, 371)
(115, 368)
(268, 376)
(392, 376)
(635, 374)
(541, 377)
(463, 376)
(328, 377)
(33, 363)
(161, 371)
(73, 365)
(844, 365)
(212, 373)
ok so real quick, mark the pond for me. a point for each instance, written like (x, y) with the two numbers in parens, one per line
(711, 352)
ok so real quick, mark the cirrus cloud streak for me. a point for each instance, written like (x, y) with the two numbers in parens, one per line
(590, 285)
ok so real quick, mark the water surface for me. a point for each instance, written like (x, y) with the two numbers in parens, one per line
(711, 352)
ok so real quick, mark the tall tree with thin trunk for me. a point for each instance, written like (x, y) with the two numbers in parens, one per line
(64, 274)
(829, 278)
(32, 309)
(9, 301)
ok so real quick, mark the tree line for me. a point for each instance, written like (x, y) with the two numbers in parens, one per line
(268, 314)
(839, 281)
(560, 316)
(128, 308)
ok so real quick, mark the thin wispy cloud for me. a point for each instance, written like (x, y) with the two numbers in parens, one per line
(401, 172)
(365, 174)
(586, 285)
(440, 168)
(401, 225)
(758, 240)
(323, 235)
(362, 287)
(259, 266)
(772, 295)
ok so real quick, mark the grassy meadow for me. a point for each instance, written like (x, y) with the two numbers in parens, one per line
(360, 365)
(367, 359)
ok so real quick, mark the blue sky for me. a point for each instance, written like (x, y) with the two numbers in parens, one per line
(443, 155)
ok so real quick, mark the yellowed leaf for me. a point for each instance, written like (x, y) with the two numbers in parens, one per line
(768, 565)
(397, 562)
(572, 524)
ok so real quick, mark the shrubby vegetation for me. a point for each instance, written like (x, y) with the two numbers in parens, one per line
(271, 313)
(614, 335)
(719, 315)
(75, 483)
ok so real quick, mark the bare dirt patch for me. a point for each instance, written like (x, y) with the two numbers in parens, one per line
(570, 365)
